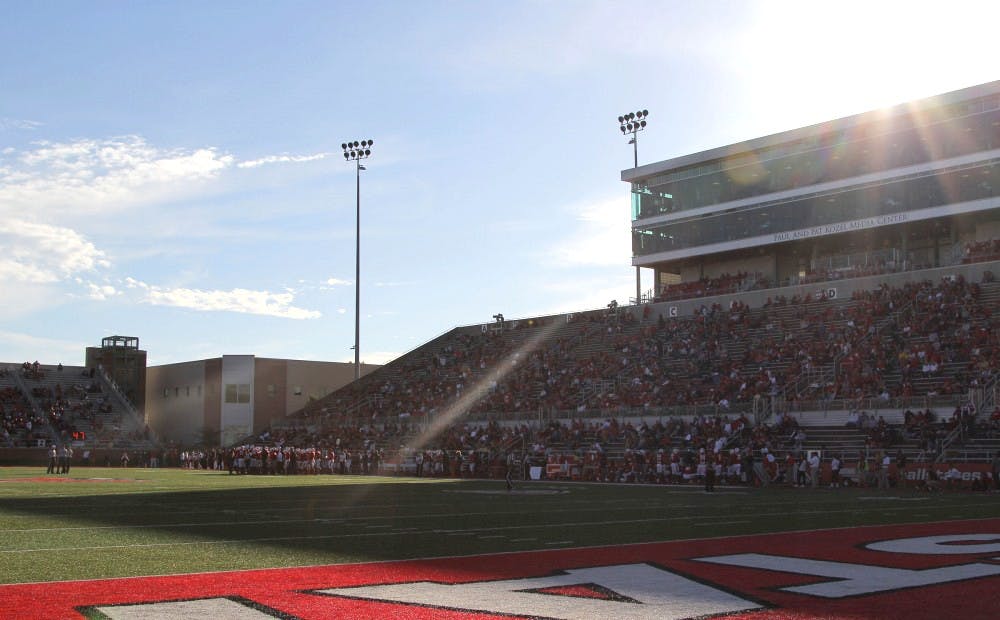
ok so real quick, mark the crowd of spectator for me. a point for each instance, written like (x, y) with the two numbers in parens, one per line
(891, 343)
(976, 252)
(20, 426)
(719, 363)
(875, 268)
(885, 344)
(71, 405)
(981, 251)
(32, 370)
(706, 287)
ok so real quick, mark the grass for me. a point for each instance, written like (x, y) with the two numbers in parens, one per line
(98, 522)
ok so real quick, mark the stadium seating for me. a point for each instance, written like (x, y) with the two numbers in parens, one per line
(921, 345)
(607, 390)
(78, 400)
(19, 425)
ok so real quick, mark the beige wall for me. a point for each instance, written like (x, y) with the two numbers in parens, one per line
(314, 380)
(270, 387)
(748, 264)
(175, 401)
(194, 393)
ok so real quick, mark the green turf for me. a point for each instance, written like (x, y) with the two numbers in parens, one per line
(124, 522)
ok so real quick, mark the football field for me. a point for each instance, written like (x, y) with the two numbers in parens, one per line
(581, 550)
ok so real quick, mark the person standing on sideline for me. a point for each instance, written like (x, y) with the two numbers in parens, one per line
(758, 467)
(69, 459)
(510, 469)
(814, 462)
(883, 472)
(63, 457)
(901, 469)
(834, 472)
(710, 477)
(53, 456)
(801, 471)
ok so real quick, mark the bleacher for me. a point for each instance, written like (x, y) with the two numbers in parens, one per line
(808, 356)
(19, 425)
(763, 356)
(79, 400)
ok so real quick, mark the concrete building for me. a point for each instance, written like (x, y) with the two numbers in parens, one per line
(125, 364)
(221, 400)
(896, 189)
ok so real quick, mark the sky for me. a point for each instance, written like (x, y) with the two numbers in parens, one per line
(173, 171)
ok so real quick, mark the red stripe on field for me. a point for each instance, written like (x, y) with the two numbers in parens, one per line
(285, 590)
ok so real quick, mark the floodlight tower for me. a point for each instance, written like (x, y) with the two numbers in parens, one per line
(633, 123)
(356, 151)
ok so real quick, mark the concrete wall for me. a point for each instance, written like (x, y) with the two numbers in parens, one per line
(186, 400)
(237, 411)
(175, 401)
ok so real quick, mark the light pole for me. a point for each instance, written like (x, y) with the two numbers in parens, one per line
(633, 123)
(356, 151)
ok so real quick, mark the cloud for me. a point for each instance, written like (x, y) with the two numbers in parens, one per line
(281, 159)
(56, 180)
(41, 253)
(550, 41)
(92, 175)
(25, 347)
(338, 282)
(590, 294)
(8, 124)
(600, 238)
(101, 292)
(240, 300)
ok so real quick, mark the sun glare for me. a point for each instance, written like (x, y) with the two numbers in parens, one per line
(833, 60)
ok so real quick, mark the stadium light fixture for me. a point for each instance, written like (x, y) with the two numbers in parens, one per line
(633, 123)
(356, 151)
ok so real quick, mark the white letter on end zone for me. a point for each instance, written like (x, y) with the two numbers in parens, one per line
(854, 579)
(655, 594)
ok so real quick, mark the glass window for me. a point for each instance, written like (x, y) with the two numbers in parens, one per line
(237, 393)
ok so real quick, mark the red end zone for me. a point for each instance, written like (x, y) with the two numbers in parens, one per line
(911, 572)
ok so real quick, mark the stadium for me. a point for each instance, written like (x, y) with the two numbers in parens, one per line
(798, 420)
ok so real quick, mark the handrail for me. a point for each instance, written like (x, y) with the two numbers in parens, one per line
(807, 375)
(120, 396)
(35, 407)
(947, 441)
(988, 399)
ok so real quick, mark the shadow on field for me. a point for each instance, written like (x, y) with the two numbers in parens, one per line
(304, 524)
